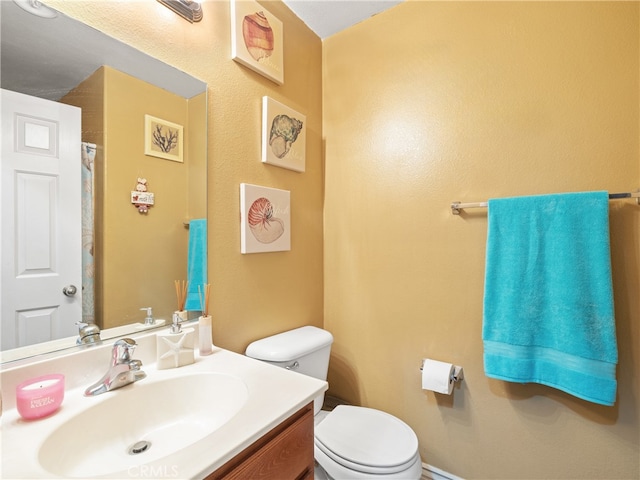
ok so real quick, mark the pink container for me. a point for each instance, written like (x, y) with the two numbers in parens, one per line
(41, 396)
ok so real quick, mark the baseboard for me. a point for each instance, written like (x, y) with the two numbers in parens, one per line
(429, 472)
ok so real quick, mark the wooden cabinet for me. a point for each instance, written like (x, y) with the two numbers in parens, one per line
(285, 453)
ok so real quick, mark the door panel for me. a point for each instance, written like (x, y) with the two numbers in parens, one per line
(41, 227)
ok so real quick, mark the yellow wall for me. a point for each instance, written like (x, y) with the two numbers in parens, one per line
(114, 106)
(259, 294)
(432, 102)
(157, 239)
(197, 138)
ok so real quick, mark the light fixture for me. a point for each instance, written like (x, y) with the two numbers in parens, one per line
(190, 10)
(35, 7)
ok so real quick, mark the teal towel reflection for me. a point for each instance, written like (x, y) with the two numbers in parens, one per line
(196, 262)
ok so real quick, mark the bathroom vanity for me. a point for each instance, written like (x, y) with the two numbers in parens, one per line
(224, 416)
(284, 452)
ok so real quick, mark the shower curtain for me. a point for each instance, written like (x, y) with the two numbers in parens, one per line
(88, 157)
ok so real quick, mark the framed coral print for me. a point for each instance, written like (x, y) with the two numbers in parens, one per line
(163, 139)
(284, 136)
(265, 219)
(256, 39)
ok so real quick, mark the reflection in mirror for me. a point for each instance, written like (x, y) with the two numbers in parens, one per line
(143, 132)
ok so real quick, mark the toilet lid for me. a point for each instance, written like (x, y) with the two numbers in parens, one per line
(367, 440)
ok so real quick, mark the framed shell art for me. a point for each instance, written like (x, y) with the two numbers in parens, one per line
(265, 224)
(284, 136)
(256, 39)
(163, 139)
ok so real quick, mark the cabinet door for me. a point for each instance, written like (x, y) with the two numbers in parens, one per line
(285, 453)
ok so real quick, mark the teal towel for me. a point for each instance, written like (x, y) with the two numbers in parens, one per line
(548, 300)
(196, 263)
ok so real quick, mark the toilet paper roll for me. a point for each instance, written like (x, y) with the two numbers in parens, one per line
(437, 376)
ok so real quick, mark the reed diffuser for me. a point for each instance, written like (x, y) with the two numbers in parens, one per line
(181, 293)
(204, 322)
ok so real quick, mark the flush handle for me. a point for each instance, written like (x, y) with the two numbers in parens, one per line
(293, 366)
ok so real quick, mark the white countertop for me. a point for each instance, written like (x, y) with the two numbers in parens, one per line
(274, 395)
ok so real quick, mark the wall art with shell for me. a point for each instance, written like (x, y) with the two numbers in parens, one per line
(284, 135)
(256, 39)
(265, 224)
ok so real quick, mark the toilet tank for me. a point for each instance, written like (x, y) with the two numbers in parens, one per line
(304, 350)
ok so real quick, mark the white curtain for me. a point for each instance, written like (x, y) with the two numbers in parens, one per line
(88, 157)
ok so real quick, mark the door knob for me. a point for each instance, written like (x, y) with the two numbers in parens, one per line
(69, 290)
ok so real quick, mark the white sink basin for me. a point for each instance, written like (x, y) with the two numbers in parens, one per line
(166, 416)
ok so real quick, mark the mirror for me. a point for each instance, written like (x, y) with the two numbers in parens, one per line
(136, 256)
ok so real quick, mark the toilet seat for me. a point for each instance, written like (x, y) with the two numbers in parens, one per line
(367, 440)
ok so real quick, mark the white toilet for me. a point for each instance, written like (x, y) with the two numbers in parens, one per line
(350, 442)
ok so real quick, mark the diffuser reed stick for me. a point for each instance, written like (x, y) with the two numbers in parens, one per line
(204, 322)
(181, 293)
(204, 304)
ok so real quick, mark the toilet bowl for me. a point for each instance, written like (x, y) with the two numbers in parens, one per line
(363, 443)
(350, 442)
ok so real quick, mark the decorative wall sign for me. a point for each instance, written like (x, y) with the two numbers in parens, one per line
(140, 198)
(163, 139)
(265, 219)
(284, 135)
(256, 39)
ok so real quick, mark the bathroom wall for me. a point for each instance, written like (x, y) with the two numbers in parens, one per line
(158, 238)
(259, 294)
(433, 102)
(197, 197)
(114, 105)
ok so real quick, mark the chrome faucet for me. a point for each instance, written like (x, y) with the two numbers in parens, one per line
(148, 320)
(122, 371)
(88, 334)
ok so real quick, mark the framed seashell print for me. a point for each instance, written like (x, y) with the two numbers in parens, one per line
(284, 136)
(256, 39)
(265, 224)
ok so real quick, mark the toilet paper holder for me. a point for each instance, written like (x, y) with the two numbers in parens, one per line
(456, 376)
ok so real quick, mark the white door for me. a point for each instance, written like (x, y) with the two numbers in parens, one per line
(41, 224)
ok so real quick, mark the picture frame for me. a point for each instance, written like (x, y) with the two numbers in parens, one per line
(257, 39)
(163, 139)
(284, 136)
(265, 223)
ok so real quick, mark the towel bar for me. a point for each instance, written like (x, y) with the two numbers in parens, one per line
(456, 207)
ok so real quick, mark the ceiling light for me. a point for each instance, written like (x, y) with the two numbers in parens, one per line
(190, 10)
(36, 8)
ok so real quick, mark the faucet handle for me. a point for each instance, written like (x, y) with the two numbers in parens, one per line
(123, 349)
(135, 365)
